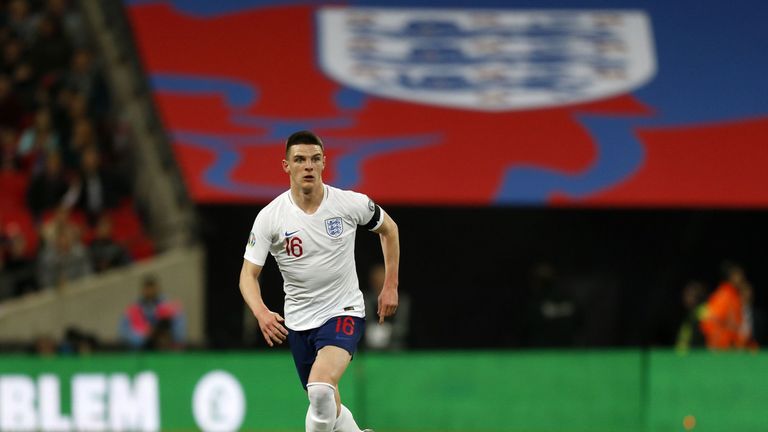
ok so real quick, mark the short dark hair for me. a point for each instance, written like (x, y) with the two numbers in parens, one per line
(302, 137)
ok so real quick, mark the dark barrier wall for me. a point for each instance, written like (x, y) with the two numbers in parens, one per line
(562, 391)
(468, 271)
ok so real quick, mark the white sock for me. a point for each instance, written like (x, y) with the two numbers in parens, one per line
(321, 414)
(345, 422)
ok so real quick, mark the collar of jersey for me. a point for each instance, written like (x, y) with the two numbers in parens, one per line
(326, 192)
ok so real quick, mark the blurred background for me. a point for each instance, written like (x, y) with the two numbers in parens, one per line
(580, 189)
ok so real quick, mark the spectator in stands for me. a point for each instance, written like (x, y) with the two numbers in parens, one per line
(105, 252)
(724, 324)
(15, 64)
(20, 20)
(10, 107)
(47, 189)
(75, 342)
(82, 135)
(25, 86)
(152, 322)
(77, 110)
(51, 50)
(13, 52)
(78, 342)
(391, 335)
(60, 109)
(45, 346)
(63, 259)
(84, 78)
(96, 189)
(689, 333)
(71, 22)
(38, 141)
(18, 266)
(10, 161)
(56, 220)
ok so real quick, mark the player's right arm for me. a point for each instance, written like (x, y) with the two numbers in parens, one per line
(270, 323)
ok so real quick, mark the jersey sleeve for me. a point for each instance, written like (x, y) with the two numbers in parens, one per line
(257, 248)
(365, 212)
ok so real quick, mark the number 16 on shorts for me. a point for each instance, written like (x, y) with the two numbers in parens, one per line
(345, 325)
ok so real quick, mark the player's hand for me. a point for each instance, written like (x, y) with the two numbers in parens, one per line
(271, 324)
(387, 303)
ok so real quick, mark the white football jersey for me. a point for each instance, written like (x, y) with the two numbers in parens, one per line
(315, 253)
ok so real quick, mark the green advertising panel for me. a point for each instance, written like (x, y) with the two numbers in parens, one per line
(554, 391)
(708, 391)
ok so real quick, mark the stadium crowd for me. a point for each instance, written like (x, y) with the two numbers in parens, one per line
(65, 160)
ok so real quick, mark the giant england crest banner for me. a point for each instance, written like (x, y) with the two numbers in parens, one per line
(652, 103)
(489, 60)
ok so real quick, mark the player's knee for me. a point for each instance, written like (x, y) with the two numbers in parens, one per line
(322, 407)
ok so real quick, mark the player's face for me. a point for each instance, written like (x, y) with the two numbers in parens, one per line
(304, 164)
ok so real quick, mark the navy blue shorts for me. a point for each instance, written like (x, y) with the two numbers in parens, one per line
(342, 331)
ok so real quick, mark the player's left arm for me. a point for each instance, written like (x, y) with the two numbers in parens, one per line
(390, 246)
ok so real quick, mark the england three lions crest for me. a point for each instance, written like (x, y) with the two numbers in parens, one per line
(334, 227)
(489, 60)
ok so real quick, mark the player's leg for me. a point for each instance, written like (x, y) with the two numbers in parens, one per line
(336, 342)
(330, 364)
(322, 410)
(345, 422)
(324, 401)
(321, 414)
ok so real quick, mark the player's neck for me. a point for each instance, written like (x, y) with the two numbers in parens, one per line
(308, 201)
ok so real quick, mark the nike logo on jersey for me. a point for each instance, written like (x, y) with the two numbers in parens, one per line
(288, 234)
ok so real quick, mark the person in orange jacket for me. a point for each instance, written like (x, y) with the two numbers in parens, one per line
(727, 322)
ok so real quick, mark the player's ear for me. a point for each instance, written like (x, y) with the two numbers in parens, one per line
(285, 166)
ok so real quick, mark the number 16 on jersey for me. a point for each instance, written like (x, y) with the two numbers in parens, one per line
(293, 247)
